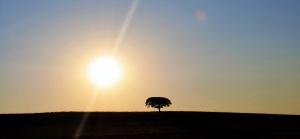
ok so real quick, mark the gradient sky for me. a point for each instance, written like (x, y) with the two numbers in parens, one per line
(205, 55)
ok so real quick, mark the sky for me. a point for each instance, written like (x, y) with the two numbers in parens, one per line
(204, 55)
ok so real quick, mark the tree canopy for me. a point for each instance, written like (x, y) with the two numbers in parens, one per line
(158, 102)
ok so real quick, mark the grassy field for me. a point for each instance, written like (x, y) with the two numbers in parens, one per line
(149, 125)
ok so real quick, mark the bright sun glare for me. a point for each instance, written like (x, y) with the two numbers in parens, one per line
(105, 71)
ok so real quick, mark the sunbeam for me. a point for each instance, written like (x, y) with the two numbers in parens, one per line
(125, 25)
(117, 44)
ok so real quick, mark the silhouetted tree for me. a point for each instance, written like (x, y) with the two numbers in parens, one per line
(158, 102)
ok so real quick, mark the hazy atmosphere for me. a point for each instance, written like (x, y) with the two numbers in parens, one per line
(205, 55)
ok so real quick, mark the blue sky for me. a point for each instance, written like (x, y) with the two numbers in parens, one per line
(216, 55)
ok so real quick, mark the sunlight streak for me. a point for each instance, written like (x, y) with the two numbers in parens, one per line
(125, 25)
(118, 41)
(85, 116)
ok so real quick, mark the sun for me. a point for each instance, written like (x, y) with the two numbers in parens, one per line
(104, 71)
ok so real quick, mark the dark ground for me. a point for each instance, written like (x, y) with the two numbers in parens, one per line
(149, 125)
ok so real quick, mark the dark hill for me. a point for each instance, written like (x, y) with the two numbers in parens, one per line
(149, 125)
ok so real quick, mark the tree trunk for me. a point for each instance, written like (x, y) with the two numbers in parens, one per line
(159, 109)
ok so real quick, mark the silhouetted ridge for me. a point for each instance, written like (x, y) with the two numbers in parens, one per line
(140, 125)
